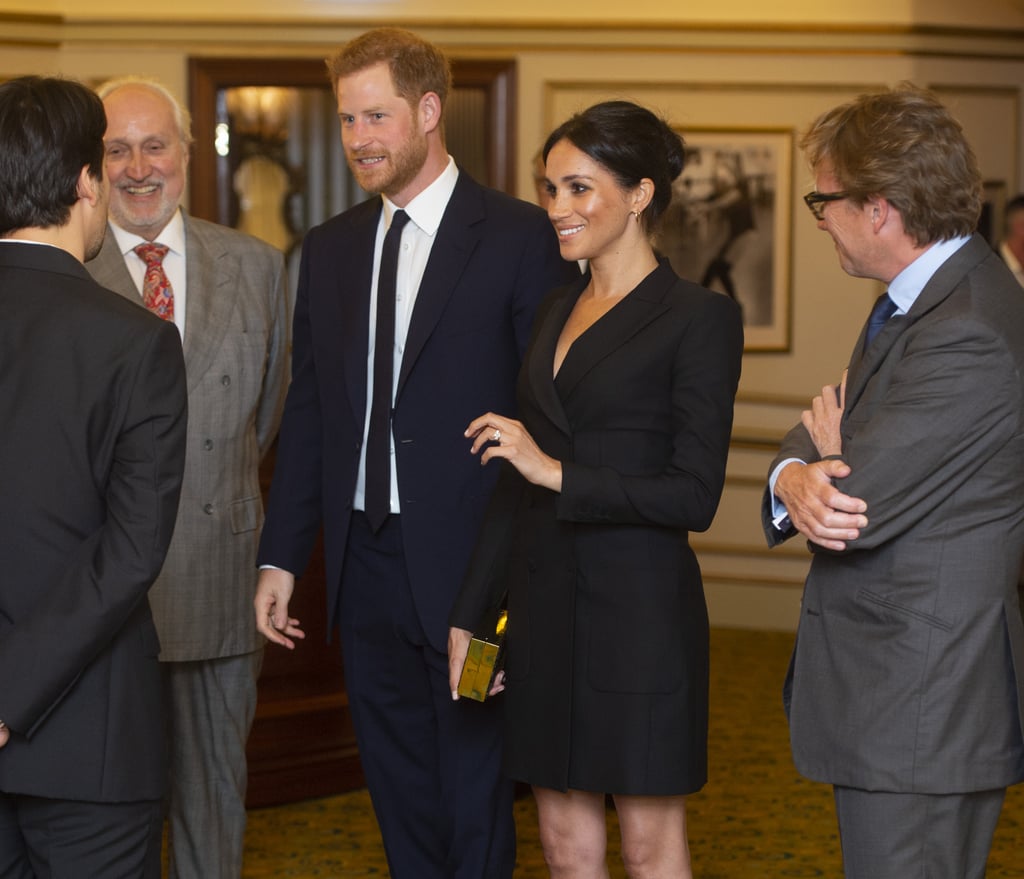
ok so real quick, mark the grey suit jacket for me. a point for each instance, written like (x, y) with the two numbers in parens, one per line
(909, 661)
(236, 359)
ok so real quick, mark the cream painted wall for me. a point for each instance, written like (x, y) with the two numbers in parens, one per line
(982, 13)
(699, 77)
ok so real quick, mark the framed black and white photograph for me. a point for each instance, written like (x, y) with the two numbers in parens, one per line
(728, 227)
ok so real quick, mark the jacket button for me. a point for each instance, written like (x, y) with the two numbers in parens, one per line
(208, 509)
(208, 444)
(225, 380)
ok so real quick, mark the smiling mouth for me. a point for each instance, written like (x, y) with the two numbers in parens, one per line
(569, 231)
(368, 161)
(147, 189)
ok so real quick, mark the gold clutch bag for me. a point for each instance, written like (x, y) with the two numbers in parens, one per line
(484, 660)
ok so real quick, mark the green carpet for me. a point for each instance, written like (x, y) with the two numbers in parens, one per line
(755, 818)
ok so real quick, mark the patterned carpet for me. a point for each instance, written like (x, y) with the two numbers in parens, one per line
(756, 817)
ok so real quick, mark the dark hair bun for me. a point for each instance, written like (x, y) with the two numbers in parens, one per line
(632, 143)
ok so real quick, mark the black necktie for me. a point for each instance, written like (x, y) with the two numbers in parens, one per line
(378, 443)
(883, 310)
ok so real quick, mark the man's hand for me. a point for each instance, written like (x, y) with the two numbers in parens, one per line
(823, 418)
(273, 592)
(5, 734)
(817, 509)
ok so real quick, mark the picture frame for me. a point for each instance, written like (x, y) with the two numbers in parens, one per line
(728, 226)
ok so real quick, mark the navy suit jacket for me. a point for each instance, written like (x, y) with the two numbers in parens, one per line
(493, 259)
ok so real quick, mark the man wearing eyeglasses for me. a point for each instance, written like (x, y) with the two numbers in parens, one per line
(905, 687)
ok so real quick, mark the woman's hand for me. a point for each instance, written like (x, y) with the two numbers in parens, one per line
(501, 437)
(458, 648)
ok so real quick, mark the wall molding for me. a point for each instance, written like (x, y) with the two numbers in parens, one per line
(522, 36)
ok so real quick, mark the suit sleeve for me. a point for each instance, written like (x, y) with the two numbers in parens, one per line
(275, 379)
(485, 585)
(797, 443)
(953, 402)
(294, 508)
(113, 568)
(686, 493)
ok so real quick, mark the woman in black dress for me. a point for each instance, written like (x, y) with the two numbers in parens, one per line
(626, 397)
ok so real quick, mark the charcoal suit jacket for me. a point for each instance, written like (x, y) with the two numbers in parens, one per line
(908, 670)
(93, 407)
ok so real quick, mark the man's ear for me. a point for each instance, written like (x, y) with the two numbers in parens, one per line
(880, 210)
(430, 111)
(88, 186)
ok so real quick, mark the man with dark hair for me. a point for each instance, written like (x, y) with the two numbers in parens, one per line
(225, 292)
(906, 685)
(1012, 247)
(92, 397)
(412, 315)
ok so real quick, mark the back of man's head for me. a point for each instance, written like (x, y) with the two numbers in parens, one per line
(49, 130)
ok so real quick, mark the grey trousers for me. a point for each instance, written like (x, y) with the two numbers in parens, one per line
(210, 708)
(916, 836)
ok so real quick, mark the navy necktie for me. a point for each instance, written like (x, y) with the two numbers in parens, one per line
(378, 442)
(883, 310)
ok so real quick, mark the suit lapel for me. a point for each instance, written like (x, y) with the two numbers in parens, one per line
(212, 278)
(936, 291)
(615, 328)
(541, 360)
(109, 270)
(347, 309)
(457, 238)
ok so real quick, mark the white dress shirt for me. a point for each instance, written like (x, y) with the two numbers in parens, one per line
(425, 213)
(173, 237)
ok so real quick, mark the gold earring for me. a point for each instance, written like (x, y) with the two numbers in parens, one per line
(636, 215)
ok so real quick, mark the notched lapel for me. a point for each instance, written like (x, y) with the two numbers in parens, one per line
(615, 328)
(541, 362)
(344, 303)
(939, 287)
(108, 270)
(213, 278)
(457, 237)
(863, 366)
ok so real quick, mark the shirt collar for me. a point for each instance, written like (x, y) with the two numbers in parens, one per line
(172, 235)
(427, 209)
(908, 284)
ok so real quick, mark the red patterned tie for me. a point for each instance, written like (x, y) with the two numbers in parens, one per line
(157, 295)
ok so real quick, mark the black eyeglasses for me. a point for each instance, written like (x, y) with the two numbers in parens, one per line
(816, 200)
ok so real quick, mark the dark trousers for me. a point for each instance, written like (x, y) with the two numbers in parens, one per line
(64, 839)
(433, 766)
(916, 836)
